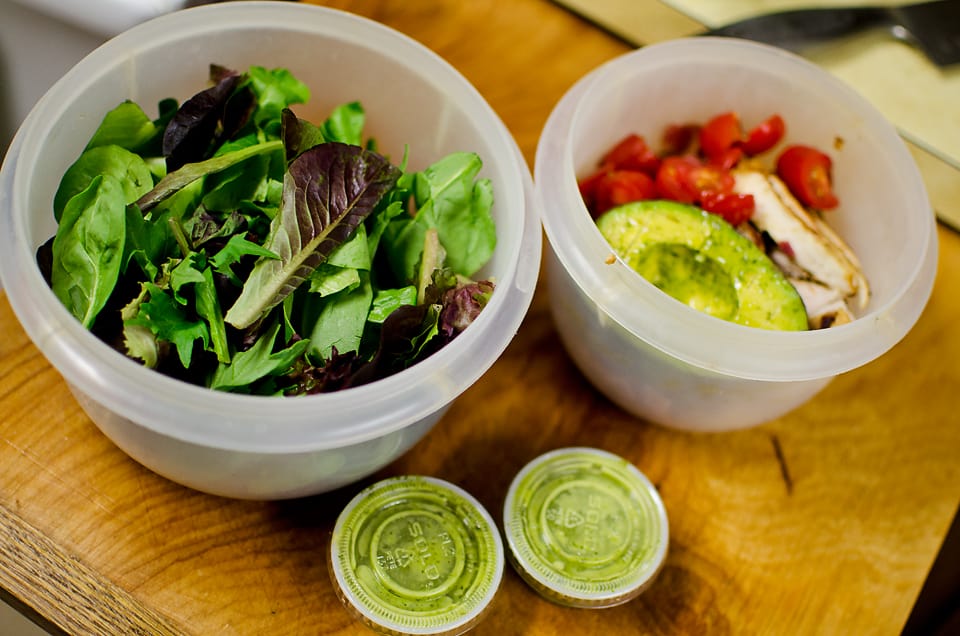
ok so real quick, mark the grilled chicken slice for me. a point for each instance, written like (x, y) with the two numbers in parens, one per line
(808, 240)
(825, 307)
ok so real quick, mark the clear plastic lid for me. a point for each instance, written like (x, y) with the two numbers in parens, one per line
(585, 528)
(416, 555)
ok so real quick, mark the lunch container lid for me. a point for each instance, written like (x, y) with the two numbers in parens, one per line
(416, 555)
(585, 528)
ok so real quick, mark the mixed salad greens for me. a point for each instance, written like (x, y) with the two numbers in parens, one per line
(231, 244)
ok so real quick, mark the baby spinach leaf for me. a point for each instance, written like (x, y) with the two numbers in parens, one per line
(388, 300)
(339, 327)
(329, 279)
(328, 191)
(130, 170)
(126, 126)
(259, 361)
(88, 248)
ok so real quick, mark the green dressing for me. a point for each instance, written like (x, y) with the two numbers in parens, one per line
(585, 528)
(416, 555)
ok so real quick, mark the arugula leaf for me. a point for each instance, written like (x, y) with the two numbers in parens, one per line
(162, 315)
(130, 170)
(88, 248)
(328, 191)
(235, 249)
(275, 90)
(208, 308)
(259, 361)
(452, 200)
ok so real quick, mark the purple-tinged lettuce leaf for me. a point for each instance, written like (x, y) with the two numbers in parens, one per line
(191, 131)
(327, 192)
(462, 305)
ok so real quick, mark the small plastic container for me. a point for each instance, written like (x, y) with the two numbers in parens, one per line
(244, 446)
(416, 555)
(585, 528)
(658, 358)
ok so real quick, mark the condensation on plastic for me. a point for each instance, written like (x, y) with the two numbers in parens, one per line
(247, 446)
(657, 357)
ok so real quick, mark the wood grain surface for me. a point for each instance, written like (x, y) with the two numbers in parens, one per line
(824, 521)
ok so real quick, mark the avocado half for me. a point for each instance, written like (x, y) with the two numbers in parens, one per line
(701, 260)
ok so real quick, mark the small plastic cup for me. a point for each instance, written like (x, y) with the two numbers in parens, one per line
(663, 361)
(416, 555)
(585, 528)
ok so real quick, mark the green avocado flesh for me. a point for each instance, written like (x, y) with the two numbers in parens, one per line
(702, 261)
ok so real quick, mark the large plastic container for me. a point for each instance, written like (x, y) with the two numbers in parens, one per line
(664, 361)
(260, 447)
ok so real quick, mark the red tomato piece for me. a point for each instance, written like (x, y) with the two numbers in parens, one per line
(588, 188)
(709, 178)
(734, 208)
(764, 136)
(677, 138)
(674, 180)
(807, 172)
(631, 153)
(618, 187)
(719, 135)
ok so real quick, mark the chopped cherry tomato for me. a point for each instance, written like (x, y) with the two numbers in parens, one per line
(719, 135)
(677, 139)
(734, 208)
(764, 136)
(618, 187)
(674, 179)
(806, 171)
(631, 153)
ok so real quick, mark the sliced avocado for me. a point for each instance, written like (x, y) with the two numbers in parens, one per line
(701, 260)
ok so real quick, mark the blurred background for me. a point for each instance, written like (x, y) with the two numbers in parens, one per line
(42, 39)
